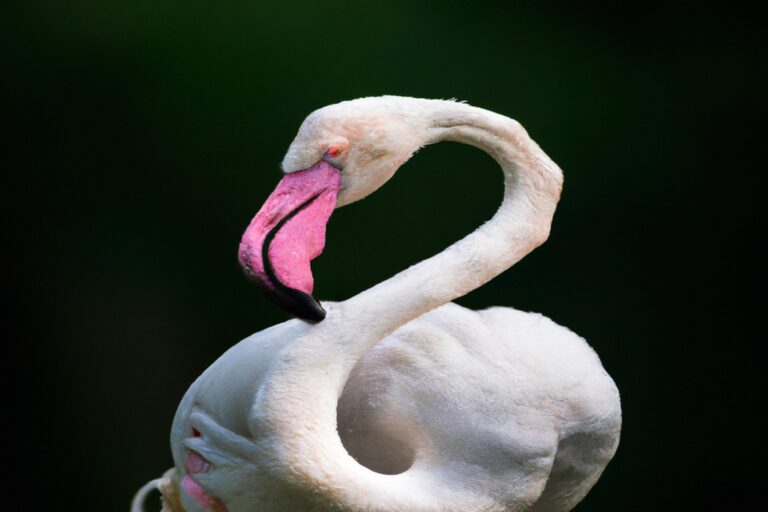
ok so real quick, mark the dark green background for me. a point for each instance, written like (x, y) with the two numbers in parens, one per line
(140, 138)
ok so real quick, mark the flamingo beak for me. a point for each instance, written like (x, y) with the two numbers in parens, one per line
(287, 234)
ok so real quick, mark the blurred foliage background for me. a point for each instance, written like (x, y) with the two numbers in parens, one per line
(141, 137)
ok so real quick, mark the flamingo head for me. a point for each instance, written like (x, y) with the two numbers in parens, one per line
(341, 154)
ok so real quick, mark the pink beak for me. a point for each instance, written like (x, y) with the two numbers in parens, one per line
(287, 234)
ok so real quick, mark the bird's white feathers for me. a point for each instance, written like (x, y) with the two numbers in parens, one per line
(439, 408)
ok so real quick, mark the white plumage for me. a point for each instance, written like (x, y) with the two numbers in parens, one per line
(400, 400)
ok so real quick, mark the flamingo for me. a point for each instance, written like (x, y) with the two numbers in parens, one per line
(396, 399)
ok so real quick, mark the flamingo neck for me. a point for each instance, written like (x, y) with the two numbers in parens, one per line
(532, 183)
(297, 406)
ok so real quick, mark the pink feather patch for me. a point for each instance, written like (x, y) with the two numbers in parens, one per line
(202, 498)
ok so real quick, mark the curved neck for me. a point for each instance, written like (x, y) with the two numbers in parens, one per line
(298, 404)
(532, 183)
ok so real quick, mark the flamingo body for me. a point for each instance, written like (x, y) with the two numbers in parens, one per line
(397, 399)
(476, 391)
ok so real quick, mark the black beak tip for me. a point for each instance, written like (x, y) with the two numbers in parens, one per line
(298, 303)
(309, 309)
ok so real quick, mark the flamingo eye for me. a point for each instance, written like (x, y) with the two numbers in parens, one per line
(333, 151)
(195, 432)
